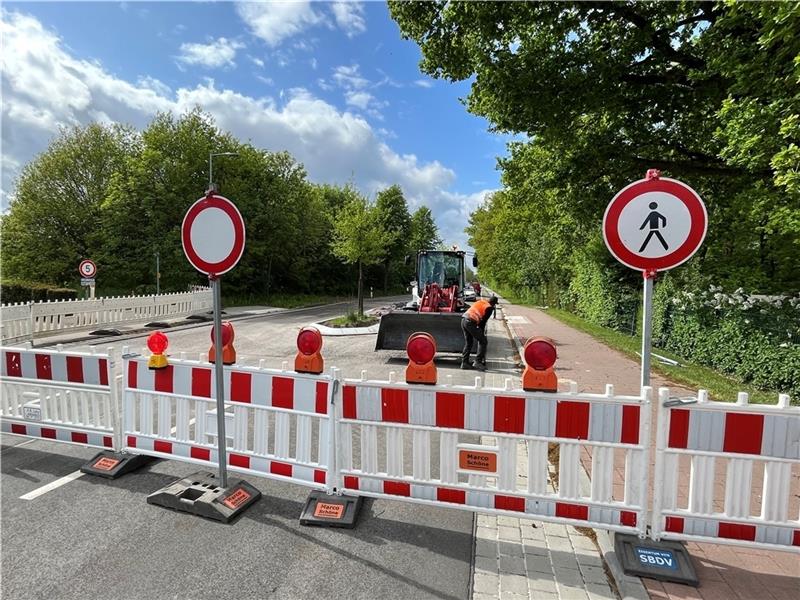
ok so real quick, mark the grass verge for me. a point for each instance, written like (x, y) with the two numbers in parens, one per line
(352, 319)
(284, 300)
(720, 387)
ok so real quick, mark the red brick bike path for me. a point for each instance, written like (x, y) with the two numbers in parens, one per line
(725, 572)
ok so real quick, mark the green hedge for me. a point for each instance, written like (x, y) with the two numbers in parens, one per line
(594, 294)
(15, 290)
(754, 338)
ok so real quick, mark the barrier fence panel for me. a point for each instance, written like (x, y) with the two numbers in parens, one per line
(758, 449)
(277, 423)
(457, 446)
(62, 396)
(16, 322)
(43, 318)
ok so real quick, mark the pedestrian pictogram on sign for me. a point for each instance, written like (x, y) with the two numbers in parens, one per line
(655, 224)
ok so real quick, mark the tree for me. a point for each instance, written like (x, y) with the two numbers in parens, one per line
(705, 91)
(55, 218)
(393, 212)
(360, 237)
(424, 232)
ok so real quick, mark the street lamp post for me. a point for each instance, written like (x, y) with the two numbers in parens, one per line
(211, 156)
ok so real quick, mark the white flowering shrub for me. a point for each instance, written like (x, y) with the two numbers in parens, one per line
(754, 337)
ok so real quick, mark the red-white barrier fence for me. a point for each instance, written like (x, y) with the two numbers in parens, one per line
(759, 448)
(445, 445)
(454, 464)
(62, 396)
(277, 422)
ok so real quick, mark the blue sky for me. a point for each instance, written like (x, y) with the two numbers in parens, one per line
(332, 83)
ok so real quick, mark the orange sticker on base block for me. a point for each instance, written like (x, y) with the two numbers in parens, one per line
(105, 464)
(476, 460)
(329, 511)
(236, 499)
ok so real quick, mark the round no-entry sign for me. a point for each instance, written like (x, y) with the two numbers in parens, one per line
(213, 235)
(87, 269)
(655, 224)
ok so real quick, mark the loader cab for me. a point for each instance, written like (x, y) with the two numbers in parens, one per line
(442, 267)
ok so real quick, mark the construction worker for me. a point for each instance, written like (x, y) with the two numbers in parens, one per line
(474, 327)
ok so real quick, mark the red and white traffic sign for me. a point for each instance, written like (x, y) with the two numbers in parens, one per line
(655, 224)
(87, 269)
(213, 235)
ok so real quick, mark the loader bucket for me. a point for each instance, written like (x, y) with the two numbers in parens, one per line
(396, 327)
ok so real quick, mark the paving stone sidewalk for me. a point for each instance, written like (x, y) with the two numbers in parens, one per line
(518, 559)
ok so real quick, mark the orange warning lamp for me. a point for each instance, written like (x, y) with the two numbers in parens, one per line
(308, 359)
(421, 348)
(228, 351)
(158, 343)
(540, 356)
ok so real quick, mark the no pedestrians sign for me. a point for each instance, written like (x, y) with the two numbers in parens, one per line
(655, 224)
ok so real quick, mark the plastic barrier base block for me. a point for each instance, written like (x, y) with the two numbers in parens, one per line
(200, 494)
(327, 510)
(664, 560)
(111, 465)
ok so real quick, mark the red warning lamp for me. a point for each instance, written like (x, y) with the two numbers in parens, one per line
(157, 342)
(540, 356)
(228, 351)
(421, 349)
(309, 344)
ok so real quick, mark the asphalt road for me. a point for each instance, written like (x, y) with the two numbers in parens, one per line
(94, 538)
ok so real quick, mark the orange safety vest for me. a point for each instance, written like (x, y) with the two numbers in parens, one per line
(477, 311)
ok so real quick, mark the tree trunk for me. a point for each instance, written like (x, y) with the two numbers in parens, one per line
(360, 289)
(386, 278)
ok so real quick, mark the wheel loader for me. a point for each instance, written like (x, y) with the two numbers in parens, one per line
(436, 306)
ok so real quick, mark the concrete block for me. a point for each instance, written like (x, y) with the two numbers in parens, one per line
(512, 564)
(486, 584)
(513, 584)
(509, 534)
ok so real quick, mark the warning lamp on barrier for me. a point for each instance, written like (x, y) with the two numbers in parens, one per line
(228, 351)
(157, 342)
(540, 356)
(421, 348)
(309, 344)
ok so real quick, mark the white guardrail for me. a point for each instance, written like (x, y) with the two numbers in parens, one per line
(37, 319)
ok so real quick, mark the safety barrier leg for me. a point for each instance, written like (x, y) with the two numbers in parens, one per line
(111, 464)
(332, 508)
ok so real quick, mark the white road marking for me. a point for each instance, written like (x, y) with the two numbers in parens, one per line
(51, 486)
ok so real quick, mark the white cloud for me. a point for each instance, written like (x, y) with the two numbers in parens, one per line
(45, 87)
(359, 99)
(349, 77)
(275, 21)
(151, 83)
(218, 53)
(425, 83)
(349, 17)
(256, 61)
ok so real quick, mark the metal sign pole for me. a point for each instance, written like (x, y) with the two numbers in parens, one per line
(219, 372)
(647, 326)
